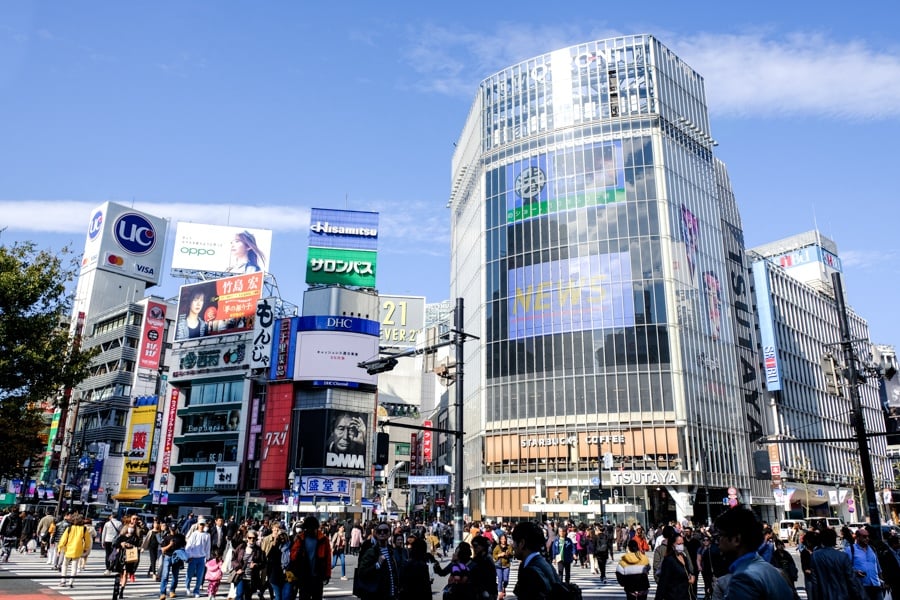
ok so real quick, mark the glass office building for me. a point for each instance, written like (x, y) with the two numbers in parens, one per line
(597, 246)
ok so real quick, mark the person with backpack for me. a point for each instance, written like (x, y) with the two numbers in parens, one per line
(631, 572)
(311, 560)
(75, 543)
(108, 536)
(173, 542)
(601, 552)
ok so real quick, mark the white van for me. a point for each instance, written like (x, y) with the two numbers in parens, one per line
(785, 526)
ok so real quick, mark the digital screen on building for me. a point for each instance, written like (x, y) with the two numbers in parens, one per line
(334, 356)
(341, 266)
(330, 228)
(591, 175)
(333, 439)
(575, 294)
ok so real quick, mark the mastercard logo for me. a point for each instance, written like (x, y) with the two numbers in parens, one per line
(115, 260)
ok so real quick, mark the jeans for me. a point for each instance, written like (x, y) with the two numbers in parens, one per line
(284, 591)
(565, 570)
(195, 571)
(243, 589)
(343, 563)
(168, 573)
(502, 578)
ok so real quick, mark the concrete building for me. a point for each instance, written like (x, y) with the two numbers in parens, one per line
(598, 250)
(799, 328)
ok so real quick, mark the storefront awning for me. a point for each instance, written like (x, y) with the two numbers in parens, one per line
(185, 498)
(130, 495)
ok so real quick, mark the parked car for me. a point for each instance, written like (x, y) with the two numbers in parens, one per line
(820, 523)
(785, 526)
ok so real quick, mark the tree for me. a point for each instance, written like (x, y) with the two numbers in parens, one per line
(38, 357)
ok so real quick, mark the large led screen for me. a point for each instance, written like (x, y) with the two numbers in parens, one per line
(563, 180)
(333, 356)
(332, 439)
(575, 294)
(218, 307)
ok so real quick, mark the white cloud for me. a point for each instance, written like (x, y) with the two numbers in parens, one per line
(869, 259)
(747, 75)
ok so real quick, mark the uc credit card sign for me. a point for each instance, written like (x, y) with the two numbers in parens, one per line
(575, 294)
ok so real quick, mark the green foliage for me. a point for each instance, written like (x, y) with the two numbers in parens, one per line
(38, 359)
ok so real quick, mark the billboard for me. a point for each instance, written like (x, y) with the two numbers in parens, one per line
(333, 439)
(341, 266)
(573, 294)
(218, 307)
(221, 249)
(402, 320)
(152, 336)
(263, 328)
(125, 241)
(329, 228)
(331, 356)
(771, 362)
(557, 181)
(138, 445)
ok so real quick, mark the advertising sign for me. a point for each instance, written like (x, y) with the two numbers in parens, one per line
(333, 356)
(152, 340)
(123, 240)
(771, 363)
(427, 455)
(354, 229)
(282, 361)
(333, 439)
(263, 329)
(137, 446)
(402, 320)
(221, 249)
(324, 486)
(226, 477)
(218, 307)
(337, 266)
(574, 294)
(275, 446)
(170, 436)
(564, 180)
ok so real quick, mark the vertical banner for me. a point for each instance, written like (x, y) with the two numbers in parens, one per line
(413, 454)
(263, 328)
(255, 429)
(282, 362)
(152, 335)
(170, 437)
(426, 443)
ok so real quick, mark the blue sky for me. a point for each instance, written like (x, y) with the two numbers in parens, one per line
(250, 113)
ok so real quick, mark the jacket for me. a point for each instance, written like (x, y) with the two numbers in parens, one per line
(368, 570)
(75, 542)
(305, 569)
(673, 582)
(833, 574)
(754, 578)
(631, 572)
(568, 550)
(534, 581)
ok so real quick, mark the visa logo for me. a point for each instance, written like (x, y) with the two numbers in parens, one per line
(144, 269)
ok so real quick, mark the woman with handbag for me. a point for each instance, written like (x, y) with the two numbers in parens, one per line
(631, 572)
(676, 574)
(127, 545)
(502, 555)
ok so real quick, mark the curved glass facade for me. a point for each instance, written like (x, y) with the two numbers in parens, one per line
(588, 219)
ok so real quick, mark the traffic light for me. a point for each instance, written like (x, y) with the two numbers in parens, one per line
(832, 375)
(382, 442)
(380, 365)
(584, 500)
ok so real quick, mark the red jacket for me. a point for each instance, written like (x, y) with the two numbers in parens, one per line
(300, 563)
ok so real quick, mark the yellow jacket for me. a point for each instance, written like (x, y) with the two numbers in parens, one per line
(76, 541)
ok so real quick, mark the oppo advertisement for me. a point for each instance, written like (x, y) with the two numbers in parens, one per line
(591, 175)
(333, 439)
(125, 241)
(353, 229)
(575, 294)
(332, 356)
(218, 307)
(221, 249)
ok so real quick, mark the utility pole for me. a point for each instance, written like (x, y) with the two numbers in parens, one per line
(865, 460)
(458, 340)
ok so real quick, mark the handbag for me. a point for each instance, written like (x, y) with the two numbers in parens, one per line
(132, 555)
(363, 588)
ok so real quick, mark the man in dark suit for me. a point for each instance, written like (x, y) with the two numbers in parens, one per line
(218, 536)
(535, 573)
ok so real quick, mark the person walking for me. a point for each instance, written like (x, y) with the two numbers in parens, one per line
(198, 549)
(311, 560)
(127, 540)
(377, 568)
(482, 572)
(865, 564)
(338, 549)
(601, 553)
(108, 536)
(172, 542)
(752, 578)
(832, 570)
(415, 578)
(247, 564)
(632, 570)
(75, 542)
(535, 577)
(356, 538)
(676, 574)
(562, 550)
(503, 555)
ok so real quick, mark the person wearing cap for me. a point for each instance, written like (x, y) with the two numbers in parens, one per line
(198, 549)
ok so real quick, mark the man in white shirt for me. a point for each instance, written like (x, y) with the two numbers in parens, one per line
(197, 548)
(108, 536)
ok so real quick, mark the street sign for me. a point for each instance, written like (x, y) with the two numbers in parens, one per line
(595, 481)
(732, 491)
(440, 501)
(732, 502)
